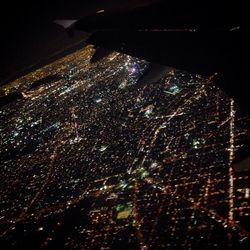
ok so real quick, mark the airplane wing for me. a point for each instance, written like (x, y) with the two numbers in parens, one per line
(206, 42)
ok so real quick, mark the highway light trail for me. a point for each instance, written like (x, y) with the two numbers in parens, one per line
(230, 162)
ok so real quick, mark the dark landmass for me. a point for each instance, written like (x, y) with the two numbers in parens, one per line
(99, 54)
(44, 81)
(4, 100)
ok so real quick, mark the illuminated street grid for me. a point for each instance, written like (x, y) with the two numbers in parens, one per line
(96, 159)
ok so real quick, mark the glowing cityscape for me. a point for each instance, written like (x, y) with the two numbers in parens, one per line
(94, 157)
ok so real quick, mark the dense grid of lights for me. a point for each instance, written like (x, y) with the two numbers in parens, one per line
(142, 165)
